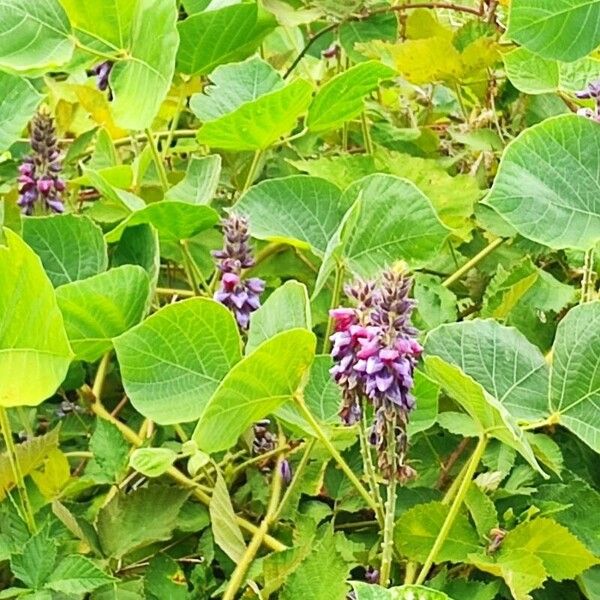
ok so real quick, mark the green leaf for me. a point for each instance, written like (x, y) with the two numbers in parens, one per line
(70, 247)
(436, 304)
(150, 65)
(340, 170)
(152, 462)
(258, 124)
(499, 358)
(226, 531)
(34, 349)
(173, 220)
(77, 574)
(426, 394)
(342, 97)
(142, 517)
(418, 528)
(534, 189)
(35, 563)
(491, 416)
(139, 246)
(165, 579)
(355, 33)
(214, 37)
(411, 230)
(482, 510)
(111, 451)
(521, 570)
(301, 210)
(575, 377)
(200, 182)
(102, 307)
(172, 362)
(560, 29)
(322, 574)
(233, 85)
(286, 308)
(367, 591)
(36, 34)
(563, 555)
(18, 102)
(255, 387)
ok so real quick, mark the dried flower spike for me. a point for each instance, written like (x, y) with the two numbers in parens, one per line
(40, 186)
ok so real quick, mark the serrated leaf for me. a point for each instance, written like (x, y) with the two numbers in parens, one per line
(367, 591)
(417, 529)
(482, 510)
(255, 387)
(341, 98)
(301, 210)
(35, 563)
(258, 124)
(288, 307)
(563, 555)
(70, 247)
(34, 349)
(54, 474)
(142, 517)
(214, 37)
(110, 450)
(18, 101)
(152, 462)
(458, 424)
(36, 34)
(544, 27)
(102, 307)
(164, 578)
(172, 362)
(200, 182)
(77, 574)
(534, 191)
(224, 526)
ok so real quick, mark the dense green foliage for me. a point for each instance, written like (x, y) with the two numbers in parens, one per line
(455, 144)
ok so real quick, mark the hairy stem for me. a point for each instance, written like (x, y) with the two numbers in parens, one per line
(160, 165)
(454, 508)
(360, 488)
(473, 262)
(335, 300)
(587, 281)
(365, 451)
(366, 133)
(252, 171)
(390, 511)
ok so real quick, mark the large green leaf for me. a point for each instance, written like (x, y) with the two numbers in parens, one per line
(418, 528)
(70, 247)
(76, 574)
(214, 37)
(102, 307)
(410, 231)
(368, 591)
(226, 531)
(34, 34)
(500, 358)
(299, 209)
(18, 101)
(547, 185)
(233, 85)
(491, 417)
(341, 98)
(288, 307)
(255, 387)
(133, 520)
(258, 124)
(575, 378)
(172, 362)
(150, 65)
(200, 182)
(172, 219)
(34, 349)
(561, 29)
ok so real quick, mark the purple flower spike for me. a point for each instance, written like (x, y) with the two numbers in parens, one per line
(240, 296)
(40, 187)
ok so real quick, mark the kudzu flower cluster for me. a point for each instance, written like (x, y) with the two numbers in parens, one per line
(592, 92)
(40, 185)
(375, 352)
(241, 296)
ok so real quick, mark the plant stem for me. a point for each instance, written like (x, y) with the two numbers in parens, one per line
(473, 262)
(16, 470)
(175, 292)
(132, 437)
(237, 578)
(335, 454)
(160, 166)
(454, 508)
(587, 281)
(366, 133)
(173, 126)
(335, 300)
(365, 450)
(252, 170)
(411, 572)
(94, 52)
(298, 473)
(390, 511)
(188, 263)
